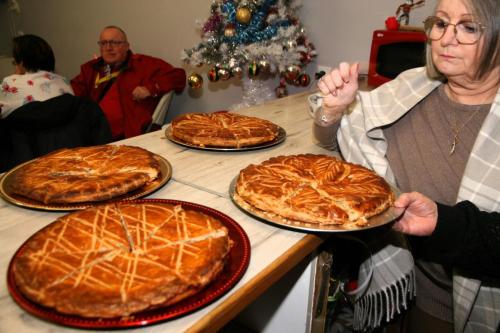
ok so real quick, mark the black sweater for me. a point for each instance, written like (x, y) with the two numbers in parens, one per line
(467, 238)
(38, 128)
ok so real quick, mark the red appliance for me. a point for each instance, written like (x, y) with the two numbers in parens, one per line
(394, 51)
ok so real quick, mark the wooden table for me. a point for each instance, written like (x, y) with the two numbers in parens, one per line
(202, 177)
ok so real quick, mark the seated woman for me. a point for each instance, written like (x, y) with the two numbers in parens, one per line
(34, 78)
(38, 111)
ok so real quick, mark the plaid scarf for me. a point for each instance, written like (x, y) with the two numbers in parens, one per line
(361, 140)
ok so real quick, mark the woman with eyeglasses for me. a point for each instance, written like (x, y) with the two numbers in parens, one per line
(34, 78)
(433, 130)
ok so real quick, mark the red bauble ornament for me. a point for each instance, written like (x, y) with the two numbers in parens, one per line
(351, 285)
(213, 75)
(293, 20)
(282, 80)
(305, 57)
(391, 23)
(304, 80)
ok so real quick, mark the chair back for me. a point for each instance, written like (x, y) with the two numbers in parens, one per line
(160, 112)
(38, 128)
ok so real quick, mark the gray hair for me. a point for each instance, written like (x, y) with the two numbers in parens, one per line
(117, 28)
(488, 13)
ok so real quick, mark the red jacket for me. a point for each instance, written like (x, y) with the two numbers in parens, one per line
(156, 75)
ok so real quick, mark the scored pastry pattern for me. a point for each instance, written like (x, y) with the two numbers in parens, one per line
(314, 189)
(118, 259)
(86, 174)
(223, 129)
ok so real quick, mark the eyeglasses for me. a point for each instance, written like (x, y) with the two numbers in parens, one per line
(466, 32)
(114, 43)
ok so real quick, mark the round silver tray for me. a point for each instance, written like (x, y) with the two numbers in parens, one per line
(279, 139)
(379, 220)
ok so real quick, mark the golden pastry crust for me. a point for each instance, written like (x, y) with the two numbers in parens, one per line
(86, 174)
(118, 259)
(223, 129)
(316, 189)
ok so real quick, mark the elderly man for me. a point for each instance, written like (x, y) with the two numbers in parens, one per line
(127, 86)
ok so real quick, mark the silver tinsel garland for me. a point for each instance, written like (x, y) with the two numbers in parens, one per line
(255, 92)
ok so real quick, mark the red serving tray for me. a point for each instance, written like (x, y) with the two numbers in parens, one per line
(236, 265)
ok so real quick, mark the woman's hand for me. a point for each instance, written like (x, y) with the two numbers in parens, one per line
(420, 216)
(339, 89)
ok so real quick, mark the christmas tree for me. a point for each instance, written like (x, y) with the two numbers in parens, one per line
(252, 39)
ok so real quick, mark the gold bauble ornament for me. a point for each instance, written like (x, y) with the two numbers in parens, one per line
(230, 30)
(237, 72)
(264, 66)
(224, 74)
(292, 73)
(195, 81)
(243, 15)
(290, 44)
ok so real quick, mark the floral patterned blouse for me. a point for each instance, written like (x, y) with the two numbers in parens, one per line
(19, 89)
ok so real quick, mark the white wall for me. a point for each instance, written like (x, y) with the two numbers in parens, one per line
(343, 29)
(4, 30)
(340, 29)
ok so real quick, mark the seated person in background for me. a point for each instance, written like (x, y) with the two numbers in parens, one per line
(127, 86)
(34, 78)
(39, 112)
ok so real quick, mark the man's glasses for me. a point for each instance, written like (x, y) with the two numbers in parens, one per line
(466, 32)
(114, 43)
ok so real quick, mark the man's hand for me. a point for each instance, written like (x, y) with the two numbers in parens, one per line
(420, 216)
(140, 93)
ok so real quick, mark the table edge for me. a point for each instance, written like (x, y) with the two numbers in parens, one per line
(246, 294)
